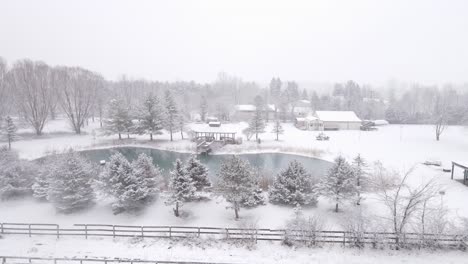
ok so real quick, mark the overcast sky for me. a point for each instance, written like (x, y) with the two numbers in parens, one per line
(368, 41)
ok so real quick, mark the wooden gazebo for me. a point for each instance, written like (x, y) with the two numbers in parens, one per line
(465, 170)
(229, 137)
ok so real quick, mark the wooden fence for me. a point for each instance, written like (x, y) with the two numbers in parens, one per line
(309, 236)
(37, 260)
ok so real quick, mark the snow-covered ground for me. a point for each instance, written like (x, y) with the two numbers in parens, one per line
(214, 251)
(398, 147)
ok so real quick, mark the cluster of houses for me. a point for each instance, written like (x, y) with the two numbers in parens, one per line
(304, 117)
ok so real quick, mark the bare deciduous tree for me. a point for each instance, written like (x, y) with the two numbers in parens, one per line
(404, 202)
(440, 115)
(31, 83)
(4, 91)
(77, 93)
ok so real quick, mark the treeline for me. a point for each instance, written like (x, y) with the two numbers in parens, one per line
(37, 92)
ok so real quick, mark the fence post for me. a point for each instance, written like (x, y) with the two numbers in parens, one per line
(86, 232)
(4, 260)
(55, 261)
(113, 231)
(142, 232)
(170, 231)
(198, 231)
(1, 225)
(58, 231)
(227, 233)
(344, 239)
(29, 230)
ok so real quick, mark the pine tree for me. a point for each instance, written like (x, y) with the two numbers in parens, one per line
(339, 183)
(181, 186)
(294, 186)
(257, 123)
(148, 175)
(46, 172)
(70, 188)
(198, 173)
(119, 180)
(171, 112)
(16, 175)
(119, 119)
(203, 108)
(277, 128)
(10, 131)
(151, 117)
(304, 95)
(360, 174)
(236, 182)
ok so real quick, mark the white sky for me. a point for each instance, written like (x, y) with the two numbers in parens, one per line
(330, 40)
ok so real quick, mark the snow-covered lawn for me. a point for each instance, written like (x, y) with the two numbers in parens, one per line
(213, 251)
(398, 147)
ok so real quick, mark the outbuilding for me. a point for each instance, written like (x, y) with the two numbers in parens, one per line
(338, 120)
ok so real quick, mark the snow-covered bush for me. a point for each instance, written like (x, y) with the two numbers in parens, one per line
(339, 184)
(70, 185)
(181, 187)
(303, 230)
(198, 173)
(118, 180)
(294, 186)
(237, 184)
(16, 175)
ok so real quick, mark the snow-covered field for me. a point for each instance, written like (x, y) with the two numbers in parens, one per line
(398, 147)
(215, 251)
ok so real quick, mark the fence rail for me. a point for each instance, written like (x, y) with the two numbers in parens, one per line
(313, 236)
(38, 260)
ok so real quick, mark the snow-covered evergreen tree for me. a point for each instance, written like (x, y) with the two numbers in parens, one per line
(257, 123)
(294, 186)
(118, 180)
(16, 175)
(10, 131)
(149, 175)
(236, 182)
(339, 183)
(70, 187)
(46, 172)
(360, 174)
(181, 187)
(172, 114)
(151, 116)
(277, 128)
(198, 172)
(119, 120)
(203, 108)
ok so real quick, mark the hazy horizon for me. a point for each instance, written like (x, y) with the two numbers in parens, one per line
(308, 41)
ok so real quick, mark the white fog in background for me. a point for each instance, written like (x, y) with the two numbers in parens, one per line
(323, 41)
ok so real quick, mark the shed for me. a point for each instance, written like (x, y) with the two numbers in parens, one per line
(339, 120)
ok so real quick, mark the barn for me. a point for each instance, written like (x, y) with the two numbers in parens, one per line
(339, 120)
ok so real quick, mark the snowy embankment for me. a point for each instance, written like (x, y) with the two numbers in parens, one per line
(213, 251)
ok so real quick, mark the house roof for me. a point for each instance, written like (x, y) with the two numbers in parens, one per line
(337, 116)
(251, 108)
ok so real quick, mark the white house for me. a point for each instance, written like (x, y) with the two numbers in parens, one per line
(339, 120)
(309, 123)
